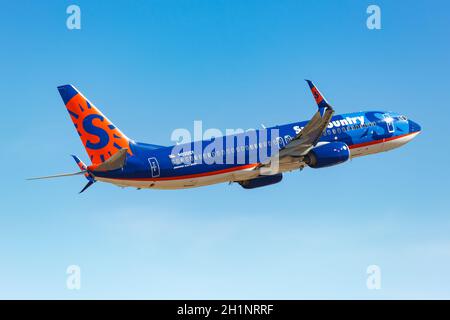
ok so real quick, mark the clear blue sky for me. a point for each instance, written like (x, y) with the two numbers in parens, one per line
(153, 66)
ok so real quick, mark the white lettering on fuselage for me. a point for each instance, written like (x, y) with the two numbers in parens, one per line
(338, 123)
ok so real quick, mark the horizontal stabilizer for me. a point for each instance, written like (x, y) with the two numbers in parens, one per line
(59, 175)
(90, 183)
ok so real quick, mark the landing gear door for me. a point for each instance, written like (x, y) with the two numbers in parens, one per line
(154, 167)
(389, 123)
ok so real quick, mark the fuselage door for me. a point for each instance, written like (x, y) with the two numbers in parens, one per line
(154, 167)
(389, 123)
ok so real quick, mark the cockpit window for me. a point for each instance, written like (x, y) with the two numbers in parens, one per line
(403, 118)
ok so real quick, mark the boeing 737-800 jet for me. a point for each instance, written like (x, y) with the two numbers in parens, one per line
(254, 158)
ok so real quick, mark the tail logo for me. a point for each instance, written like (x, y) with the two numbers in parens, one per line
(90, 128)
(100, 137)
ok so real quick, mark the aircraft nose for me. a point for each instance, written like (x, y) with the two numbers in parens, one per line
(414, 126)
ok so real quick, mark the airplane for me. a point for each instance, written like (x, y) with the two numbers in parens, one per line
(323, 141)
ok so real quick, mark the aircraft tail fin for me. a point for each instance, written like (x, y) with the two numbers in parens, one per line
(100, 137)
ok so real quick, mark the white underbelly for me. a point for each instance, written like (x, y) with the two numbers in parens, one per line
(180, 183)
(382, 145)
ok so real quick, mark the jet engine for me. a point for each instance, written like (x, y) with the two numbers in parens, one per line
(327, 155)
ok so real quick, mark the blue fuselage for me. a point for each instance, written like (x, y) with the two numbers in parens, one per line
(358, 131)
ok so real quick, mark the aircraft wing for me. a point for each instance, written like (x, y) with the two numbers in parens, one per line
(308, 137)
(116, 161)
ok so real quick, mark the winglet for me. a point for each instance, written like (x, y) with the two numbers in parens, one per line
(320, 100)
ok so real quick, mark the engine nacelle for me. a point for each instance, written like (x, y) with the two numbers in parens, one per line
(261, 181)
(327, 155)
